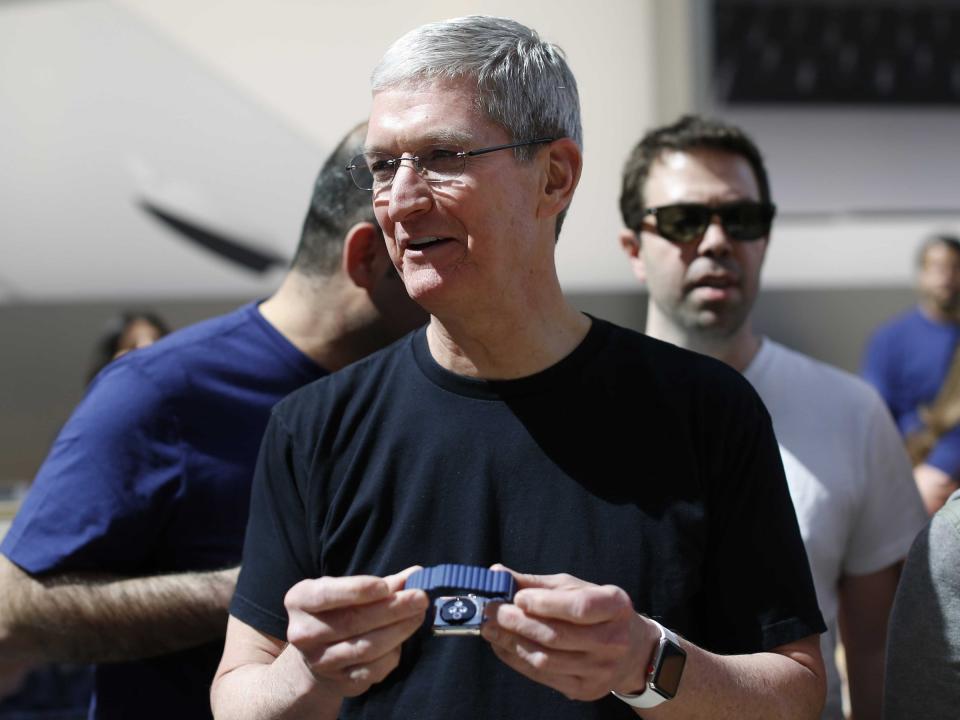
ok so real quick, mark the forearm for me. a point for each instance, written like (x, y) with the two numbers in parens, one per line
(864, 612)
(745, 687)
(107, 619)
(283, 689)
(865, 680)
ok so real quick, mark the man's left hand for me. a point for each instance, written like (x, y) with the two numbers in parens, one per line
(576, 637)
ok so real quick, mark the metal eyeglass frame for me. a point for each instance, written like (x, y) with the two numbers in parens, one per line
(360, 162)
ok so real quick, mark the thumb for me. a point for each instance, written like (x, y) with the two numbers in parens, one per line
(527, 580)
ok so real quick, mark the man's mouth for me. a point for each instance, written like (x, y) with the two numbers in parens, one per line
(721, 282)
(426, 242)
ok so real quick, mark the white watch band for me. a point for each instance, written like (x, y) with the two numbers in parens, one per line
(649, 698)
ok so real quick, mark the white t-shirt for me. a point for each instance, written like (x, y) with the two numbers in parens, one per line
(849, 476)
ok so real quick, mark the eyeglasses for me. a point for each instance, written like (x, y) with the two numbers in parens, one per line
(375, 170)
(686, 222)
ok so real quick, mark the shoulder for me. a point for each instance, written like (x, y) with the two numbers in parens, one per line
(700, 382)
(171, 359)
(815, 380)
(892, 330)
(349, 390)
(201, 340)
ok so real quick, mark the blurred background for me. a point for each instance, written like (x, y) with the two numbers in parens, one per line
(160, 154)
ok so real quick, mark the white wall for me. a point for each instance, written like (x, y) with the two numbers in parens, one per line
(228, 106)
(311, 61)
(224, 109)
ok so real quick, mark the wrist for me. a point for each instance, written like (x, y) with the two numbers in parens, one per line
(634, 681)
(662, 672)
(309, 689)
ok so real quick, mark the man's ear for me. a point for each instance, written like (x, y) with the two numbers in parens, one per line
(630, 242)
(364, 254)
(564, 164)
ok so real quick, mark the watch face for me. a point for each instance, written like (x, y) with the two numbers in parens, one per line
(458, 611)
(670, 668)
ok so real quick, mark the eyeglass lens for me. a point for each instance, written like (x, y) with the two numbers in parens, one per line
(689, 221)
(435, 164)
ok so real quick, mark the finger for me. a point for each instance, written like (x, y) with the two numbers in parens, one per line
(573, 686)
(363, 649)
(544, 659)
(309, 630)
(587, 605)
(605, 639)
(397, 581)
(359, 678)
(527, 580)
(327, 593)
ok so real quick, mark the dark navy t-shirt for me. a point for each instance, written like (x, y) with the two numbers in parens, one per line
(907, 360)
(629, 462)
(151, 474)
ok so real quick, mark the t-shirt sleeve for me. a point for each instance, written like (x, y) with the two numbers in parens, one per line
(105, 490)
(891, 512)
(275, 555)
(923, 644)
(758, 589)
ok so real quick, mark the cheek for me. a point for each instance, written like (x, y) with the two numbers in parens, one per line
(665, 267)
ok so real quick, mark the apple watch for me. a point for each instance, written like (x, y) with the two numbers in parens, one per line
(460, 593)
(663, 672)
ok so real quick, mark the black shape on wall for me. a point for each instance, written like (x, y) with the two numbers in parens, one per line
(237, 251)
(851, 52)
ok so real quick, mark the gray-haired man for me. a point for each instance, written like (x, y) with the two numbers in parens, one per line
(616, 474)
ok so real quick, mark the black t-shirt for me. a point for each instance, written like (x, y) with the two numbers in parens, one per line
(630, 462)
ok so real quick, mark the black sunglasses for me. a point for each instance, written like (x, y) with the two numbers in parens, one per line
(686, 222)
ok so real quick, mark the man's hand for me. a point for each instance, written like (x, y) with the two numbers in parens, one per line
(349, 629)
(935, 486)
(576, 637)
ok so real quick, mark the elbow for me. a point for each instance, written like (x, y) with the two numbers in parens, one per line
(814, 692)
(808, 680)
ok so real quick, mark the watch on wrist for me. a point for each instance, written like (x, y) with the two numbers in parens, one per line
(663, 672)
(460, 593)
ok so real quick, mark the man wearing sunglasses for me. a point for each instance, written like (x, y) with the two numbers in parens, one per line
(696, 202)
(508, 431)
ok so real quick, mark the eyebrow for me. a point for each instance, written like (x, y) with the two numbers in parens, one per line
(436, 137)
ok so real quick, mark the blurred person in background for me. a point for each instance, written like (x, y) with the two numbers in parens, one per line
(128, 331)
(124, 552)
(63, 691)
(697, 205)
(914, 363)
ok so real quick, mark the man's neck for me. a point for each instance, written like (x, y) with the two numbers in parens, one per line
(737, 350)
(938, 314)
(506, 345)
(313, 314)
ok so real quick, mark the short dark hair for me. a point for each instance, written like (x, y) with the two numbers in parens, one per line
(690, 132)
(335, 206)
(949, 241)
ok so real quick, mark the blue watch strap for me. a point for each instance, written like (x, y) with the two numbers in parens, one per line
(454, 579)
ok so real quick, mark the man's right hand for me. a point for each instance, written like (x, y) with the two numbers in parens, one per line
(349, 630)
(935, 486)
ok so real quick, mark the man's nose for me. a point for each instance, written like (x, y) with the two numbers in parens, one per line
(715, 240)
(409, 192)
